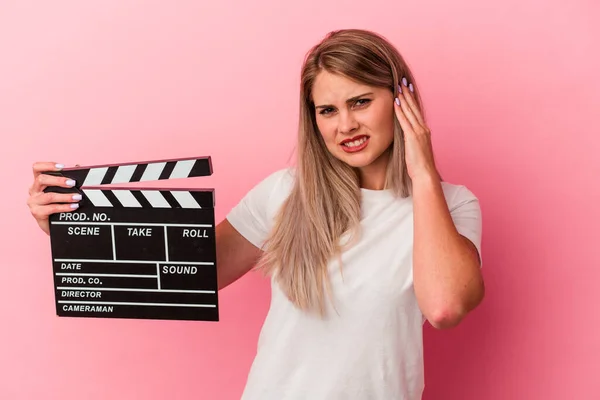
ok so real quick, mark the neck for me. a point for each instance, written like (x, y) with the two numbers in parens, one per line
(373, 176)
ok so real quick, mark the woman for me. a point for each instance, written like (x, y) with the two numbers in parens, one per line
(362, 240)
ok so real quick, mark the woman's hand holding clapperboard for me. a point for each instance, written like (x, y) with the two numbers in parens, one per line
(43, 204)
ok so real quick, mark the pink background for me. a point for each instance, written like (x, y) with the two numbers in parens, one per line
(511, 89)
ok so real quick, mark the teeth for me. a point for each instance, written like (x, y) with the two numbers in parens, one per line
(356, 142)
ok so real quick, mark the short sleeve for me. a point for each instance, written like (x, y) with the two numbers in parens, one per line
(252, 215)
(466, 214)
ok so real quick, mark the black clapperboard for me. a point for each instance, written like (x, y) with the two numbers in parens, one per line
(136, 252)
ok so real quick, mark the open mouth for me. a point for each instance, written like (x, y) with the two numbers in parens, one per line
(355, 144)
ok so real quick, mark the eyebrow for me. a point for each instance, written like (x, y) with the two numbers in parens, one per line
(350, 100)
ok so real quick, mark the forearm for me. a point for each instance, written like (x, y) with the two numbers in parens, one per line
(446, 271)
(235, 255)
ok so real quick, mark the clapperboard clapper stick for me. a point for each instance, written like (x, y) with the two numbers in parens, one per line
(136, 252)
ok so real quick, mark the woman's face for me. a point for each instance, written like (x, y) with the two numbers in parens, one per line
(355, 120)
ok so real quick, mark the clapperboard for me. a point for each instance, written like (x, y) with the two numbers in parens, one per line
(136, 252)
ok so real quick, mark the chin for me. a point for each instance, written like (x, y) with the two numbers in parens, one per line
(356, 161)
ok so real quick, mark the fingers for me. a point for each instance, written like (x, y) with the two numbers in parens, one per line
(409, 105)
(404, 121)
(42, 181)
(412, 102)
(42, 212)
(405, 106)
(42, 199)
(43, 204)
(43, 166)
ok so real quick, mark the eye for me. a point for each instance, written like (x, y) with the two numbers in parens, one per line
(362, 102)
(326, 111)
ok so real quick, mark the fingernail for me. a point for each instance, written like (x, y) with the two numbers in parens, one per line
(70, 182)
(77, 197)
(399, 89)
(74, 205)
(59, 166)
(397, 101)
(404, 81)
(411, 87)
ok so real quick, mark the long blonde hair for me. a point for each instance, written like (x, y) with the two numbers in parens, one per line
(324, 202)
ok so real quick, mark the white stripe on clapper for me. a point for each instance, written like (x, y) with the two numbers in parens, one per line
(95, 176)
(158, 275)
(130, 261)
(114, 245)
(124, 174)
(185, 199)
(156, 199)
(153, 171)
(166, 246)
(127, 303)
(126, 198)
(97, 198)
(182, 169)
(103, 289)
(109, 275)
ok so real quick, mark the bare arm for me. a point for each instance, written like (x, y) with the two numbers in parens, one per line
(446, 271)
(447, 274)
(235, 255)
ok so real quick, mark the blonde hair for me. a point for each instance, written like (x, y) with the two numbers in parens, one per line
(324, 202)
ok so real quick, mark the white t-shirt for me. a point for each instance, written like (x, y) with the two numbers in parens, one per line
(370, 346)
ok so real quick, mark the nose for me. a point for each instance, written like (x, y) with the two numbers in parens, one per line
(347, 122)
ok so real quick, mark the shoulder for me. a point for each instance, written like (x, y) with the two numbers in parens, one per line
(465, 210)
(253, 215)
(458, 195)
(275, 185)
(281, 178)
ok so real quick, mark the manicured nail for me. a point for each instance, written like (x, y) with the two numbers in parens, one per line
(404, 81)
(412, 89)
(399, 89)
(59, 166)
(74, 205)
(70, 182)
(76, 197)
(397, 101)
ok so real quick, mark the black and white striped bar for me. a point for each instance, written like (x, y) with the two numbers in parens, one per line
(108, 174)
(149, 197)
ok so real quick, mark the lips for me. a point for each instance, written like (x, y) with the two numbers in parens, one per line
(355, 144)
(354, 141)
